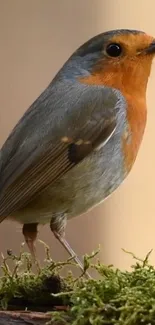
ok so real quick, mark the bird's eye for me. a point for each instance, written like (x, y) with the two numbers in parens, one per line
(114, 50)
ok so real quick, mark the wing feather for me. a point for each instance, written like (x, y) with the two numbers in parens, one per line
(28, 172)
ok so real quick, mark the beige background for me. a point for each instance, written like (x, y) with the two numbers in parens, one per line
(36, 37)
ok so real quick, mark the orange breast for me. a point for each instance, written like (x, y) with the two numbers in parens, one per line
(134, 92)
(136, 116)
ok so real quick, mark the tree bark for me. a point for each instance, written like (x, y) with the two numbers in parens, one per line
(23, 318)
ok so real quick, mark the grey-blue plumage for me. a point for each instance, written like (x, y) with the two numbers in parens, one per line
(67, 108)
(65, 155)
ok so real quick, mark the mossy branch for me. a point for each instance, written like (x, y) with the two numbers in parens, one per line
(116, 297)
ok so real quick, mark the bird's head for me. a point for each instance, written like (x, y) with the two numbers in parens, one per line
(121, 59)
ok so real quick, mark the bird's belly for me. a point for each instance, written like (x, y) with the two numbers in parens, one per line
(83, 187)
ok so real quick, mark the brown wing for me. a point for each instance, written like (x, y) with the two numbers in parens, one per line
(56, 162)
(61, 128)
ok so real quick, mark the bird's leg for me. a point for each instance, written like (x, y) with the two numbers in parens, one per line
(68, 248)
(57, 226)
(30, 234)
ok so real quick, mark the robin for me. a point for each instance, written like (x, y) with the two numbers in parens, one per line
(79, 140)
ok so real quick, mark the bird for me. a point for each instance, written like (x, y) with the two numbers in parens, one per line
(78, 141)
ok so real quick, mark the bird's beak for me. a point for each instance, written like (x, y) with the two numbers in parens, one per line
(150, 49)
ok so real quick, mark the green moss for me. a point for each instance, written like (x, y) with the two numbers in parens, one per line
(117, 297)
(30, 286)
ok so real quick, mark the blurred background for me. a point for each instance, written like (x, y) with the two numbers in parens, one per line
(36, 38)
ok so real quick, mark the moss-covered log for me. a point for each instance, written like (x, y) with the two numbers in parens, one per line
(117, 297)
